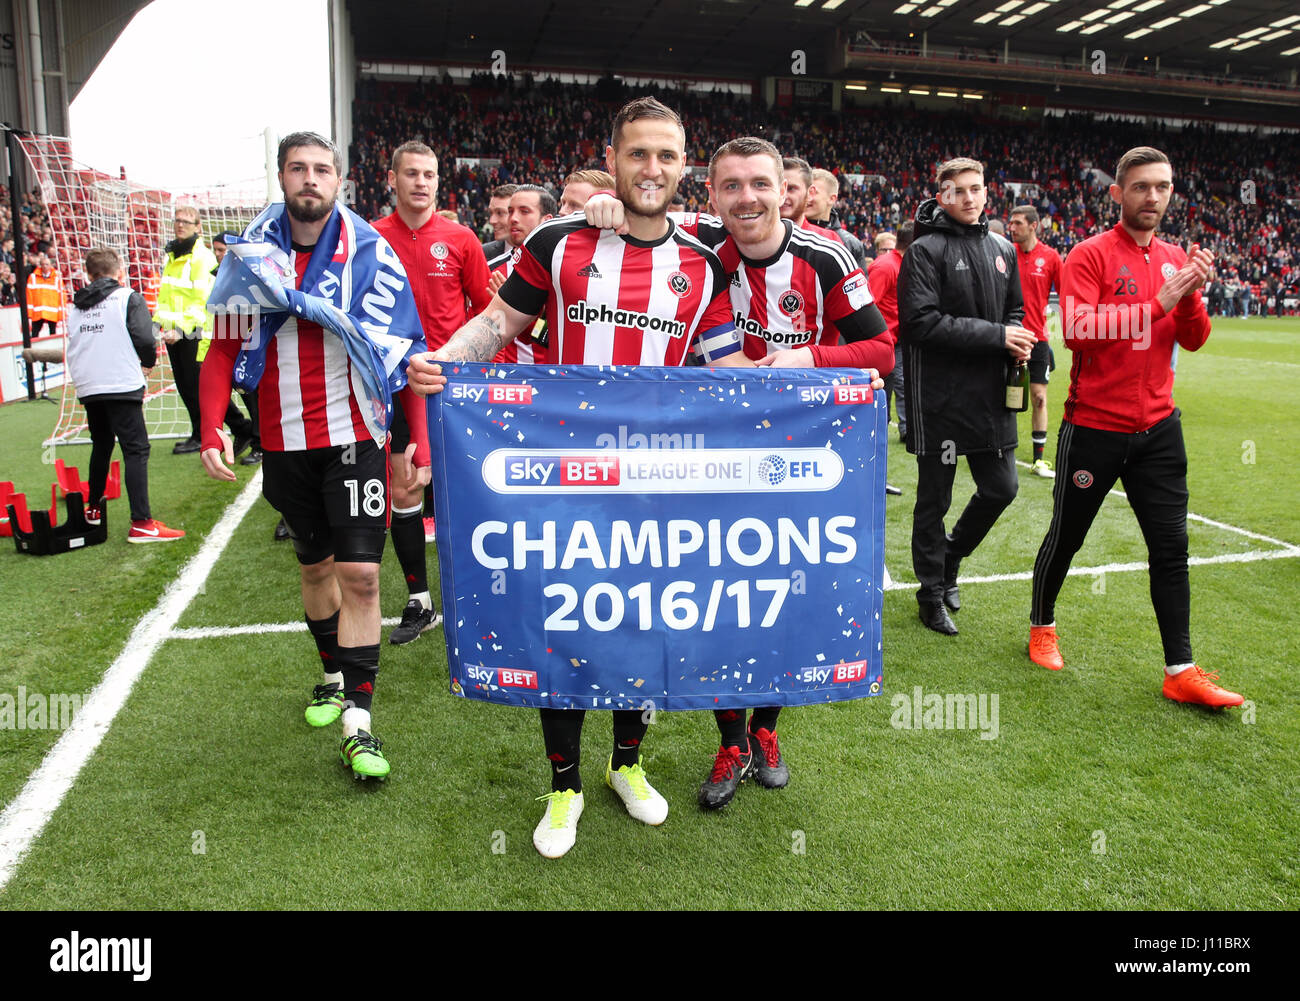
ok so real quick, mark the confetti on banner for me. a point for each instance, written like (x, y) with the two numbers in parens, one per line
(627, 517)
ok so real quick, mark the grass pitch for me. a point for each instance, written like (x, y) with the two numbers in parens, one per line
(209, 790)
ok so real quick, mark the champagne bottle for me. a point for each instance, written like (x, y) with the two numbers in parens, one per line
(1018, 387)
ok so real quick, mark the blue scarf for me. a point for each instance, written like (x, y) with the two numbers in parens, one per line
(354, 287)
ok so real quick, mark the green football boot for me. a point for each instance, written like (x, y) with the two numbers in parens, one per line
(362, 754)
(326, 705)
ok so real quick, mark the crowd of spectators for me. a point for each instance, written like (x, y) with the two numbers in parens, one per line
(522, 130)
(38, 238)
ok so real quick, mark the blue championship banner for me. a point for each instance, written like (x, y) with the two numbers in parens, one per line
(675, 538)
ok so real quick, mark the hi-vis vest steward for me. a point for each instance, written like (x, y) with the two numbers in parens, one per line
(183, 290)
(101, 357)
(45, 296)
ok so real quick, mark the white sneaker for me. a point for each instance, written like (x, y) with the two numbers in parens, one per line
(638, 795)
(558, 828)
(1043, 468)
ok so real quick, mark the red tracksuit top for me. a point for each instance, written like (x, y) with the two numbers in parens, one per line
(1120, 379)
(1039, 269)
(445, 264)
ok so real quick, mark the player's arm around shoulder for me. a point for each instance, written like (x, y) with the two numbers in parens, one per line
(478, 340)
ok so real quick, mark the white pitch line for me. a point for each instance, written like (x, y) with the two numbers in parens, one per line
(1203, 520)
(25, 817)
(1253, 556)
(1240, 531)
(217, 632)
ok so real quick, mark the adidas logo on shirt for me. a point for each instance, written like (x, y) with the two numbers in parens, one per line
(961, 265)
(590, 271)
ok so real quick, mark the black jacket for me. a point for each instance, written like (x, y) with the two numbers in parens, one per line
(958, 290)
(851, 242)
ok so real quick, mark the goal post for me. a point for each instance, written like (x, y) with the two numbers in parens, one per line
(91, 208)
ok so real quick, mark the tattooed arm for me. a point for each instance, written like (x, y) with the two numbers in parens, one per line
(479, 340)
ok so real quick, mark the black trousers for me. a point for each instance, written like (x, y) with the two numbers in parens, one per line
(894, 388)
(51, 328)
(254, 417)
(996, 484)
(112, 422)
(183, 356)
(1152, 465)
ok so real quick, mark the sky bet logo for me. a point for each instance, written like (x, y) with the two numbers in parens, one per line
(837, 394)
(506, 677)
(674, 471)
(564, 470)
(491, 392)
(840, 674)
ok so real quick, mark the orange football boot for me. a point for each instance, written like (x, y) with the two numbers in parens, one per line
(1197, 687)
(1043, 650)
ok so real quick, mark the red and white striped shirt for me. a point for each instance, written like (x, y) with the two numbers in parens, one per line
(529, 348)
(616, 300)
(794, 297)
(305, 395)
(800, 296)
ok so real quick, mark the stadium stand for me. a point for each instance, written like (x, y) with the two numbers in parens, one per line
(505, 129)
(37, 235)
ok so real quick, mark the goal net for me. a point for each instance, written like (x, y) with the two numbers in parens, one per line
(89, 208)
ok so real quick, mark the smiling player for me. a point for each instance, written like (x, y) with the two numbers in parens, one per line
(582, 278)
(794, 293)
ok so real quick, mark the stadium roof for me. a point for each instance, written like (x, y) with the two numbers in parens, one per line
(749, 38)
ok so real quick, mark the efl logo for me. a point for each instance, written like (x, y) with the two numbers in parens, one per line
(510, 678)
(589, 471)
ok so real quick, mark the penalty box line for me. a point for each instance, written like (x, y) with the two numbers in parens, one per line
(1206, 521)
(1285, 550)
(25, 818)
(217, 632)
(1253, 556)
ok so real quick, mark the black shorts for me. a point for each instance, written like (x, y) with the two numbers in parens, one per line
(1041, 362)
(334, 500)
